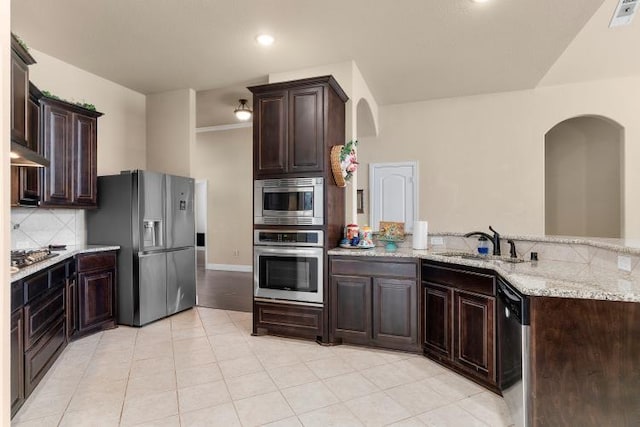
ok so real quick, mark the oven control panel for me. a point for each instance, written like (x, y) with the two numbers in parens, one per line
(288, 237)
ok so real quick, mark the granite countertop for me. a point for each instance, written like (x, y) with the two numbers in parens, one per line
(541, 278)
(65, 254)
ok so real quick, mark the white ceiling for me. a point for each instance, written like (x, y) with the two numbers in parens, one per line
(407, 50)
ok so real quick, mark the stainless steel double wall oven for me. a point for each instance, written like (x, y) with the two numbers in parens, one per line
(288, 261)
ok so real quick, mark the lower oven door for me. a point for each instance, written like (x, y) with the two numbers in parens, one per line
(288, 273)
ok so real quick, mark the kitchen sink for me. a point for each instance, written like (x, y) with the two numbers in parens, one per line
(469, 255)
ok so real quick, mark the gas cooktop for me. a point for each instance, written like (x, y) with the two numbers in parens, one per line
(25, 258)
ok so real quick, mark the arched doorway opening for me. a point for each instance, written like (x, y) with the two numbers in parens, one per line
(584, 178)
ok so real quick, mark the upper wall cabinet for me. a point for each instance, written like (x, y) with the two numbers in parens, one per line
(69, 139)
(20, 61)
(294, 125)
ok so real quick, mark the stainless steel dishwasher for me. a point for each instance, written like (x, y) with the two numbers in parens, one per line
(513, 348)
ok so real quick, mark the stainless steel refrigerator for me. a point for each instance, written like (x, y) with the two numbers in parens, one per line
(151, 216)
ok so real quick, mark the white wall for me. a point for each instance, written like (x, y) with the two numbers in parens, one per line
(171, 122)
(481, 158)
(122, 129)
(201, 208)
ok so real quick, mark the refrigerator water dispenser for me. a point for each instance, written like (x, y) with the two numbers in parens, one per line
(151, 234)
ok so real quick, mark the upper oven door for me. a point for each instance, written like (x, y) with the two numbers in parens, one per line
(294, 274)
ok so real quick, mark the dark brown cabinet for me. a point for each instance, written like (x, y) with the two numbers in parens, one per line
(375, 302)
(295, 124)
(17, 360)
(459, 320)
(71, 312)
(288, 319)
(69, 139)
(95, 292)
(20, 61)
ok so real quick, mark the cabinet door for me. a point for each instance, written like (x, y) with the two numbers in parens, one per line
(95, 298)
(437, 320)
(306, 130)
(351, 308)
(17, 360)
(84, 160)
(474, 346)
(30, 177)
(270, 134)
(72, 307)
(57, 136)
(19, 94)
(395, 313)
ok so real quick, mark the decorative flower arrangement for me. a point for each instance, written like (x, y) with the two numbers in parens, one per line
(348, 160)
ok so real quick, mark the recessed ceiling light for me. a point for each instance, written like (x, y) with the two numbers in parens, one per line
(265, 39)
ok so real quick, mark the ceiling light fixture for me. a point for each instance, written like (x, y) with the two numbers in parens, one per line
(243, 112)
(265, 39)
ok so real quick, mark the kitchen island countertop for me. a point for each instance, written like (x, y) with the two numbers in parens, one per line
(543, 278)
(69, 252)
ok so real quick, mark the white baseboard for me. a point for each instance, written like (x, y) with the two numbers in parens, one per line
(230, 267)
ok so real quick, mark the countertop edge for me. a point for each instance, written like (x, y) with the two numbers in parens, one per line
(63, 255)
(519, 280)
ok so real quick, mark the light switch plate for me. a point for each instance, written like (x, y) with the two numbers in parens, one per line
(437, 241)
(624, 263)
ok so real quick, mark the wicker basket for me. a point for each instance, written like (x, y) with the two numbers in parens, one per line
(336, 168)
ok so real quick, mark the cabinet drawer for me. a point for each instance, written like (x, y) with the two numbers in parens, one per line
(482, 283)
(35, 286)
(57, 274)
(377, 268)
(39, 359)
(17, 295)
(289, 319)
(40, 314)
(96, 261)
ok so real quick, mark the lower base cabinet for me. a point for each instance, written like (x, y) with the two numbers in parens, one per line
(459, 321)
(280, 318)
(380, 310)
(17, 360)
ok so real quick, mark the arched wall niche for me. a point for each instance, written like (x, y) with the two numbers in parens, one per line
(584, 177)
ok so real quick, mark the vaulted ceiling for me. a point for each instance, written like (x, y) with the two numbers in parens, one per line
(407, 51)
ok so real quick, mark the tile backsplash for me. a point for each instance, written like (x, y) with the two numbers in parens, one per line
(33, 228)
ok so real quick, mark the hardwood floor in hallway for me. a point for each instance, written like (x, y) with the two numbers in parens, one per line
(226, 290)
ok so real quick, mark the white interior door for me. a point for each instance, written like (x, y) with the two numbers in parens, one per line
(393, 192)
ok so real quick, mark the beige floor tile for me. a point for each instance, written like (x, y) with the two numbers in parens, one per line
(240, 366)
(191, 344)
(418, 397)
(278, 359)
(308, 352)
(350, 386)
(307, 397)
(289, 376)
(453, 385)
(232, 352)
(160, 381)
(214, 317)
(245, 326)
(331, 416)
(250, 385)
(418, 368)
(58, 386)
(141, 368)
(488, 408)
(202, 396)
(172, 421)
(182, 334)
(329, 367)
(262, 409)
(100, 401)
(42, 405)
(409, 422)
(287, 422)
(361, 359)
(225, 328)
(229, 339)
(92, 417)
(239, 316)
(154, 338)
(450, 416)
(152, 350)
(149, 407)
(386, 376)
(178, 324)
(108, 372)
(216, 416)
(377, 409)
(200, 357)
(50, 421)
(198, 375)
